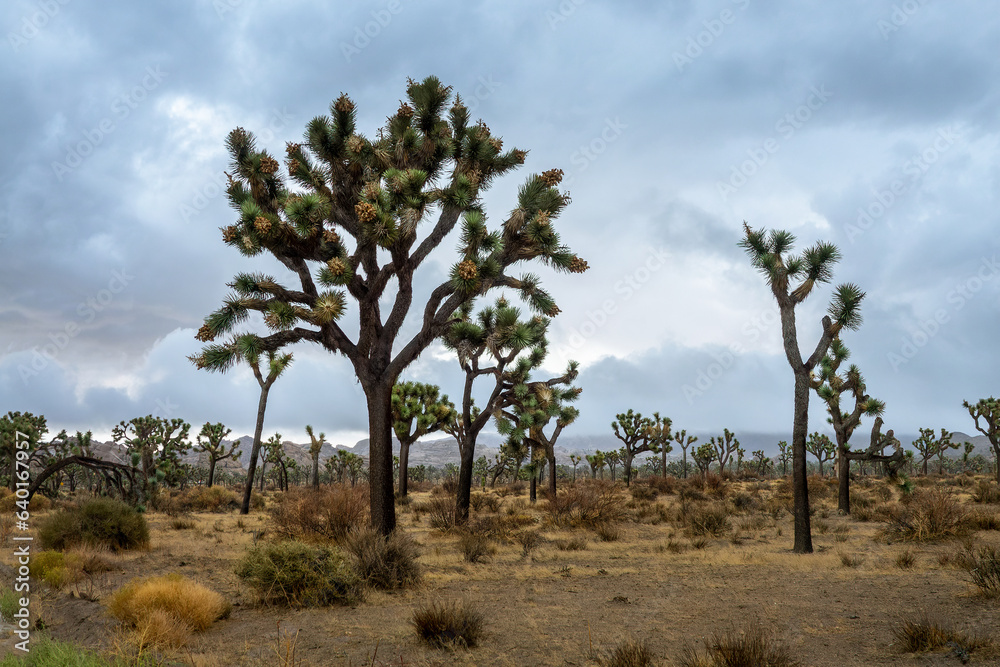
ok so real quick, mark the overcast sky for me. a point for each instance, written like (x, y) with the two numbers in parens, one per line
(871, 124)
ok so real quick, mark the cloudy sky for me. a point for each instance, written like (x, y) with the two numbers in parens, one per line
(873, 125)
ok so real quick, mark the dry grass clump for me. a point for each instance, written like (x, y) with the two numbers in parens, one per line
(609, 532)
(984, 567)
(489, 502)
(199, 499)
(925, 634)
(587, 505)
(712, 519)
(663, 485)
(851, 560)
(529, 541)
(166, 609)
(905, 560)
(986, 492)
(440, 509)
(320, 515)
(55, 568)
(575, 543)
(751, 647)
(643, 492)
(99, 521)
(982, 519)
(476, 547)
(182, 523)
(385, 563)
(931, 514)
(448, 625)
(296, 574)
(629, 653)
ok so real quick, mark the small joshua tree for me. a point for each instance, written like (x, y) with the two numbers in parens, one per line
(929, 446)
(761, 461)
(703, 457)
(639, 435)
(596, 462)
(820, 446)
(210, 443)
(784, 456)
(770, 253)
(315, 447)
(685, 441)
(988, 409)
(417, 410)
(725, 446)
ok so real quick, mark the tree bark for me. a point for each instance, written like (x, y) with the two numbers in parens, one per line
(315, 471)
(463, 494)
(255, 450)
(843, 482)
(211, 470)
(383, 506)
(800, 484)
(404, 461)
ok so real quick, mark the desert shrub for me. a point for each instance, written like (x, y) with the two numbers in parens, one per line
(209, 499)
(575, 543)
(441, 511)
(9, 603)
(752, 523)
(664, 485)
(327, 513)
(386, 563)
(711, 519)
(926, 634)
(643, 492)
(476, 547)
(497, 527)
(168, 607)
(448, 625)
(257, 501)
(986, 492)
(182, 523)
(983, 519)
(8, 502)
(744, 502)
(851, 560)
(489, 502)
(715, 484)
(99, 521)
(984, 567)
(297, 574)
(751, 647)
(56, 568)
(629, 653)
(529, 541)
(932, 514)
(883, 492)
(905, 560)
(862, 500)
(609, 532)
(587, 505)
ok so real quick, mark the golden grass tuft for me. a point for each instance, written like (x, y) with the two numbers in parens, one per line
(161, 607)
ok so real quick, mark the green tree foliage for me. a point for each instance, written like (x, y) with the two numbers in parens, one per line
(703, 457)
(684, 441)
(596, 462)
(417, 410)
(820, 446)
(343, 217)
(210, 442)
(987, 409)
(275, 454)
(771, 253)
(315, 447)
(155, 446)
(32, 429)
(725, 445)
(639, 435)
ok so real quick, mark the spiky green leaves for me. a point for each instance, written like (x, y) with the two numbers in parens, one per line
(845, 307)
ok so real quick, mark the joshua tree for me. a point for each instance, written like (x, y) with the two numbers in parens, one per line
(575, 459)
(489, 347)
(25, 428)
(820, 446)
(830, 386)
(276, 456)
(248, 348)
(761, 460)
(533, 405)
(596, 462)
(345, 224)
(784, 456)
(210, 442)
(703, 457)
(685, 441)
(929, 446)
(315, 447)
(641, 434)
(769, 253)
(725, 446)
(967, 449)
(155, 446)
(988, 409)
(612, 459)
(416, 411)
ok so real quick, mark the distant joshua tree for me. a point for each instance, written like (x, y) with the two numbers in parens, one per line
(212, 446)
(988, 409)
(417, 410)
(639, 435)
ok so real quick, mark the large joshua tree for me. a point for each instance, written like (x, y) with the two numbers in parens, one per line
(345, 222)
(770, 253)
(987, 409)
(417, 409)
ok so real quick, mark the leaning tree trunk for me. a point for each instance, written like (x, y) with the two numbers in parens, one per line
(255, 450)
(383, 507)
(800, 483)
